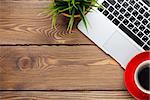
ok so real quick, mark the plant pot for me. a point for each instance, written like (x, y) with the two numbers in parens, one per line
(67, 12)
(68, 15)
(75, 16)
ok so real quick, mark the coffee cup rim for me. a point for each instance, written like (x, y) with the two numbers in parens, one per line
(136, 74)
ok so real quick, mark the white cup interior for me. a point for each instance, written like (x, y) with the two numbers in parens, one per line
(139, 68)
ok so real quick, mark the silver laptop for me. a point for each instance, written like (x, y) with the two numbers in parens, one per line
(121, 28)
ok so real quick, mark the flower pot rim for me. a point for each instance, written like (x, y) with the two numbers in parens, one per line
(67, 15)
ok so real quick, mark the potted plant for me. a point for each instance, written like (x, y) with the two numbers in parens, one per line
(71, 9)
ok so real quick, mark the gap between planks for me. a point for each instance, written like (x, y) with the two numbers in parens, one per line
(47, 45)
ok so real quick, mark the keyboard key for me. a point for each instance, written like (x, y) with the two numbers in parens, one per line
(141, 10)
(135, 30)
(122, 10)
(141, 27)
(132, 2)
(111, 1)
(105, 4)
(145, 38)
(140, 17)
(145, 21)
(130, 26)
(148, 25)
(100, 9)
(140, 34)
(117, 6)
(137, 23)
(120, 17)
(147, 14)
(120, 1)
(116, 22)
(136, 6)
(131, 35)
(125, 4)
(116, 13)
(130, 9)
(125, 21)
(111, 9)
(147, 32)
(110, 17)
(145, 7)
(105, 12)
(127, 15)
(132, 19)
(148, 42)
(141, 3)
(146, 47)
(135, 13)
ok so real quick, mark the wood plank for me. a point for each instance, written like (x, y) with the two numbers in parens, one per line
(22, 22)
(83, 95)
(58, 68)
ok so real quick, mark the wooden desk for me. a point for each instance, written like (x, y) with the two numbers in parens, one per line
(38, 62)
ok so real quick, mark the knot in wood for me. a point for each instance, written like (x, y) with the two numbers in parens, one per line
(25, 63)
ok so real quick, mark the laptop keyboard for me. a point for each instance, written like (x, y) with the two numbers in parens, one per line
(132, 17)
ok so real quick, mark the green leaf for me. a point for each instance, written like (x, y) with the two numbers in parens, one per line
(69, 4)
(54, 17)
(63, 10)
(71, 22)
(73, 2)
(83, 17)
(54, 10)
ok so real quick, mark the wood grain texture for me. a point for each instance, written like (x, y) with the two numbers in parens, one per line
(58, 68)
(23, 22)
(51, 64)
(78, 95)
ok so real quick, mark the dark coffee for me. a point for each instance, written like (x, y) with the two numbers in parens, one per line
(144, 77)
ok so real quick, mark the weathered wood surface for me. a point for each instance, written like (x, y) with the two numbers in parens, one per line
(23, 22)
(77, 95)
(33, 56)
(58, 68)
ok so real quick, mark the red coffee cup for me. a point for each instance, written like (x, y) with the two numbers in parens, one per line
(137, 76)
